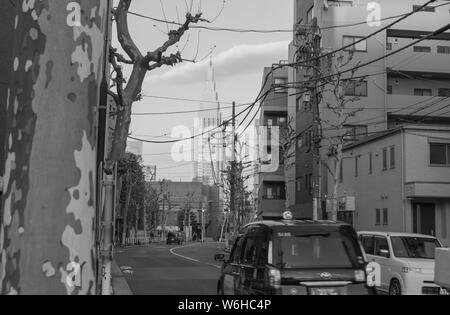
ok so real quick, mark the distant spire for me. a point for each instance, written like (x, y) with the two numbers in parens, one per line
(211, 77)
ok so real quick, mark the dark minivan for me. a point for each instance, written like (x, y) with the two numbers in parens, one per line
(295, 257)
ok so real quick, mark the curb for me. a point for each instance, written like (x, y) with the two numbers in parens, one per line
(118, 282)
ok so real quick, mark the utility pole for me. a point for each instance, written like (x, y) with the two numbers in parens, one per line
(317, 136)
(48, 230)
(233, 173)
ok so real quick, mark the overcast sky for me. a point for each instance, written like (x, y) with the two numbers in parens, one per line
(239, 60)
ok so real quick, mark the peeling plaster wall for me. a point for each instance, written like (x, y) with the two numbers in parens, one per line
(49, 220)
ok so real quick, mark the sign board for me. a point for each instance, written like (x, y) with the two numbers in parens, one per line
(347, 203)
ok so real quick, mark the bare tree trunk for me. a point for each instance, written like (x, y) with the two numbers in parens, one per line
(47, 236)
(125, 213)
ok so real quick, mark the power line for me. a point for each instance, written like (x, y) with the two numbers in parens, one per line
(194, 136)
(271, 31)
(186, 112)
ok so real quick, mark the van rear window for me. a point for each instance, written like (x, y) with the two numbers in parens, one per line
(318, 250)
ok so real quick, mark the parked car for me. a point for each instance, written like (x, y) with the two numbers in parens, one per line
(293, 257)
(174, 238)
(406, 261)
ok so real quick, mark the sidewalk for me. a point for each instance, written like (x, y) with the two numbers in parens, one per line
(119, 284)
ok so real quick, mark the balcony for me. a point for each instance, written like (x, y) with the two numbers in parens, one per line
(419, 61)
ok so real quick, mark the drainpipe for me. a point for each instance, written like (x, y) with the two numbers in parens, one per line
(403, 159)
(107, 250)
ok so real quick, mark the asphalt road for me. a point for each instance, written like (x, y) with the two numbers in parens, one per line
(171, 270)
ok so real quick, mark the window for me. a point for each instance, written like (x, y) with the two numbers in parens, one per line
(234, 255)
(444, 92)
(422, 49)
(392, 157)
(385, 159)
(298, 104)
(275, 191)
(356, 88)
(356, 165)
(250, 252)
(440, 153)
(425, 9)
(370, 163)
(381, 243)
(377, 216)
(388, 46)
(310, 15)
(443, 49)
(389, 89)
(299, 143)
(368, 243)
(352, 40)
(423, 92)
(385, 217)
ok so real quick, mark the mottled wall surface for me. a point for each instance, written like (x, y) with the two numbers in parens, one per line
(6, 38)
(47, 236)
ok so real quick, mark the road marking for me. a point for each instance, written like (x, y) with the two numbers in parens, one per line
(172, 251)
(185, 257)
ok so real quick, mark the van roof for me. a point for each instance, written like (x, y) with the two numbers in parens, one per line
(309, 223)
(398, 234)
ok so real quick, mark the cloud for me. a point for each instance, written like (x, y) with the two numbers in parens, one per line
(238, 60)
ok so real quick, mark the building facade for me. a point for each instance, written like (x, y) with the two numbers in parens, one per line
(398, 180)
(270, 178)
(411, 86)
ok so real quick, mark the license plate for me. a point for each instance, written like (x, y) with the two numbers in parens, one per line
(328, 291)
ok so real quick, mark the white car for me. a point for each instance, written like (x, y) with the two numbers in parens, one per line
(406, 261)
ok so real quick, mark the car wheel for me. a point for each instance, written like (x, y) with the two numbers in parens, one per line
(395, 288)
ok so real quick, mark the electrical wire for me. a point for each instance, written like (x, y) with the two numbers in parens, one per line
(271, 31)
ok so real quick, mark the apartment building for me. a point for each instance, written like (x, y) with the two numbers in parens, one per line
(411, 86)
(270, 181)
(399, 180)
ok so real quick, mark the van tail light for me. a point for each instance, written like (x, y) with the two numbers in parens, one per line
(274, 277)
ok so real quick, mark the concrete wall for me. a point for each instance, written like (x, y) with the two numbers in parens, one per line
(381, 189)
(417, 161)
